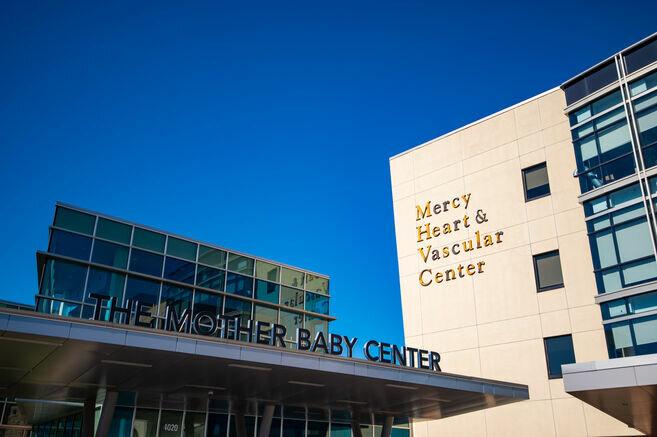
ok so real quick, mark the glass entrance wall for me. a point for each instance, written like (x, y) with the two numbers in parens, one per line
(218, 420)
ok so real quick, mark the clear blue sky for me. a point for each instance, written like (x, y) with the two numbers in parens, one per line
(264, 127)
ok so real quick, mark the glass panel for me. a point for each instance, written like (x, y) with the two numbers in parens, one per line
(145, 291)
(71, 245)
(63, 280)
(146, 262)
(291, 321)
(240, 285)
(212, 257)
(275, 430)
(217, 425)
(647, 122)
(643, 303)
(237, 308)
(181, 249)
(317, 284)
(611, 280)
(114, 231)
(266, 291)
(604, 251)
(148, 240)
(317, 429)
(110, 254)
(179, 270)
(267, 271)
(121, 422)
(293, 278)
(641, 56)
(210, 278)
(207, 302)
(617, 308)
(400, 432)
(645, 331)
(145, 424)
(177, 298)
(340, 430)
(621, 335)
(315, 325)
(559, 350)
(641, 271)
(104, 282)
(548, 270)
(170, 423)
(643, 84)
(536, 181)
(317, 303)
(74, 221)
(50, 306)
(194, 425)
(240, 264)
(634, 241)
(292, 297)
(266, 314)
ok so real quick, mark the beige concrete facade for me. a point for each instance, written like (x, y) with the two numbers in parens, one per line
(492, 323)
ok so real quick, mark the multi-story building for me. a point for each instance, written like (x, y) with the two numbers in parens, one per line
(142, 333)
(527, 241)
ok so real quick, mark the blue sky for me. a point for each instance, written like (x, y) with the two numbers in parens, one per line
(264, 127)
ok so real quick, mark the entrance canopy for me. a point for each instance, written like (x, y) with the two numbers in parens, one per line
(49, 358)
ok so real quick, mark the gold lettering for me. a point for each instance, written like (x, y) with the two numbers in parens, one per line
(480, 265)
(447, 228)
(455, 202)
(488, 240)
(466, 199)
(420, 232)
(422, 283)
(499, 234)
(438, 278)
(470, 270)
(425, 257)
(426, 212)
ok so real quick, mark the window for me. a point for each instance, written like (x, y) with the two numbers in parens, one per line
(641, 56)
(212, 257)
(63, 280)
(558, 351)
(535, 181)
(317, 284)
(104, 282)
(240, 264)
(591, 82)
(114, 231)
(110, 254)
(181, 249)
(240, 285)
(292, 297)
(178, 298)
(146, 262)
(547, 269)
(266, 291)
(210, 278)
(207, 302)
(293, 278)
(74, 221)
(632, 337)
(266, 271)
(145, 291)
(317, 303)
(179, 270)
(148, 240)
(69, 244)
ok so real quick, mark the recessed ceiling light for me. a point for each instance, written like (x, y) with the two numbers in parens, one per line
(309, 384)
(244, 366)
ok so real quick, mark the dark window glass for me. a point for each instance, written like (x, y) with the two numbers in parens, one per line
(121, 422)
(547, 267)
(74, 220)
(212, 257)
(240, 285)
(558, 351)
(194, 424)
(294, 428)
(114, 231)
(181, 248)
(240, 264)
(149, 240)
(317, 303)
(207, 302)
(315, 325)
(266, 314)
(641, 56)
(535, 180)
(646, 120)
(145, 291)
(291, 321)
(591, 82)
(210, 278)
(110, 254)
(104, 282)
(63, 280)
(266, 291)
(630, 305)
(170, 423)
(633, 337)
(177, 298)
(596, 107)
(146, 262)
(217, 425)
(341, 430)
(71, 245)
(292, 297)
(51, 306)
(275, 430)
(179, 270)
(145, 424)
(317, 429)
(237, 308)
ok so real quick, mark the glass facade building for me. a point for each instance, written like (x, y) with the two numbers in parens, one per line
(612, 110)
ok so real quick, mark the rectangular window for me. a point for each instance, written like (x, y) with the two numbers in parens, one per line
(69, 244)
(110, 254)
(240, 285)
(179, 270)
(63, 280)
(212, 257)
(267, 271)
(74, 221)
(547, 268)
(210, 278)
(240, 264)
(114, 231)
(267, 291)
(558, 350)
(149, 240)
(146, 262)
(181, 248)
(535, 181)
(632, 337)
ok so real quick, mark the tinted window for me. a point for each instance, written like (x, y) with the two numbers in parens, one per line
(266, 314)
(291, 321)
(591, 82)
(210, 278)
(237, 308)
(238, 284)
(212, 257)
(179, 270)
(64, 280)
(115, 231)
(536, 182)
(293, 278)
(547, 267)
(104, 282)
(68, 244)
(317, 284)
(265, 270)
(292, 297)
(146, 262)
(181, 248)
(266, 291)
(558, 351)
(74, 221)
(317, 303)
(178, 298)
(110, 254)
(145, 291)
(641, 56)
(148, 240)
(207, 302)
(240, 264)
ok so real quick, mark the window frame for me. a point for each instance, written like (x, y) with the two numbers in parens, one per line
(524, 181)
(547, 355)
(540, 289)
